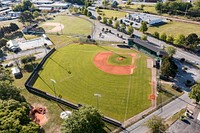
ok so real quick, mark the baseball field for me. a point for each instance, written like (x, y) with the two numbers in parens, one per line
(119, 76)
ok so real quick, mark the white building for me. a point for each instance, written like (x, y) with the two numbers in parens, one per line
(139, 17)
(13, 45)
(53, 6)
(16, 72)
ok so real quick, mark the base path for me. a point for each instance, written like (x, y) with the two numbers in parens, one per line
(58, 26)
(101, 62)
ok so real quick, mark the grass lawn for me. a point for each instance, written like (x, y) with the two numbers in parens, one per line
(176, 28)
(147, 8)
(72, 25)
(165, 96)
(77, 79)
(120, 59)
(112, 13)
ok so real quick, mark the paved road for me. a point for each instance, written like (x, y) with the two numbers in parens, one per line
(165, 112)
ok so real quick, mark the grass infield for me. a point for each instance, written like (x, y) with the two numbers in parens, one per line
(78, 79)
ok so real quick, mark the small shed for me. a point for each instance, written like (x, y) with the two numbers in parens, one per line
(16, 72)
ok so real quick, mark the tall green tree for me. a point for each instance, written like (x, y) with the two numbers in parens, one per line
(104, 20)
(156, 34)
(158, 7)
(163, 37)
(143, 27)
(110, 22)
(170, 39)
(116, 25)
(86, 120)
(170, 50)
(195, 93)
(26, 17)
(36, 14)
(168, 67)
(156, 124)
(130, 30)
(180, 40)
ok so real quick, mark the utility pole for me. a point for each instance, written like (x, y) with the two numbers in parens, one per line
(97, 96)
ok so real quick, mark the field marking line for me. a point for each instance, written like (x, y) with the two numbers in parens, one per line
(127, 101)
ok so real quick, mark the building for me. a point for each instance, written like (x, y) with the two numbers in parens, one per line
(16, 72)
(13, 46)
(137, 18)
(146, 47)
(53, 6)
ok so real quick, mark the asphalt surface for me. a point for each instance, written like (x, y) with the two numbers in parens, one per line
(165, 112)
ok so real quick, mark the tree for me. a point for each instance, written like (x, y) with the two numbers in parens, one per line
(180, 40)
(105, 2)
(99, 18)
(143, 27)
(168, 67)
(3, 42)
(128, 2)
(122, 27)
(170, 38)
(104, 20)
(156, 34)
(13, 27)
(195, 93)
(89, 14)
(26, 17)
(110, 22)
(85, 11)
(86, 120)
(36, 14)
(130, 30)
(158, 7)
(163, 36)
(144, 37)
(14, 117)
(170, 50)
(192, 39)
(155, 123)
(116, 25)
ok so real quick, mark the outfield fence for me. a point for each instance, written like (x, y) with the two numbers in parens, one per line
(33, 77)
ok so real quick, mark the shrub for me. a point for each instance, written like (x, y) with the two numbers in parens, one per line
(28, 59)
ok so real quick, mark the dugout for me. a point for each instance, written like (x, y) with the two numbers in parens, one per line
(146, 47)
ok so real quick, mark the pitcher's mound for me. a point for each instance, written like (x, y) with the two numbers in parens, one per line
(101, 62)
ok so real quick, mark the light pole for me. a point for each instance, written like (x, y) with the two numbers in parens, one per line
(53, 83)
(97, 96)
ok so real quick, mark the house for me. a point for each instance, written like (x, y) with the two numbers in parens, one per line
(16, 72)
(13, 46)
(146, 47)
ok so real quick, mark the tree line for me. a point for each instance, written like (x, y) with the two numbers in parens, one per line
(179, 8)
(14, 109)
(188, 42)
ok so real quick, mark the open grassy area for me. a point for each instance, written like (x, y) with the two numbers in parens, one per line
(147, 8)
(165, 96)
(176, 28)
(112, 13)
(120, 59)
(72, 25)
(77, 79)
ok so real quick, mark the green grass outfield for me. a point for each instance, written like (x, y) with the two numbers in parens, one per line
(118, 92)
